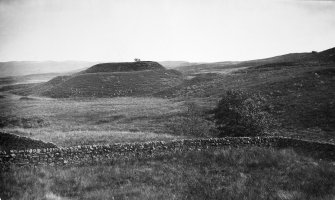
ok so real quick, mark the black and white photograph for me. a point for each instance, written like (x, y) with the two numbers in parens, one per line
(167, 99)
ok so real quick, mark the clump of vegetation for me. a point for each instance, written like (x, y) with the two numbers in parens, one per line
(191, 123)
(241, 114)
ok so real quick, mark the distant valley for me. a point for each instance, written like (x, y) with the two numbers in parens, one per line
(23, 68)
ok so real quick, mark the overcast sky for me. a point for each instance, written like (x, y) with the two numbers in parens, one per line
(190, 30)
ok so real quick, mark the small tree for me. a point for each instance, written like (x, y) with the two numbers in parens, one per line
(137, 60)
(241, 114)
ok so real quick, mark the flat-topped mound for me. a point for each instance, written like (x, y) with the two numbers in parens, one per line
(124, 67)
(115, 84)
(142, 78)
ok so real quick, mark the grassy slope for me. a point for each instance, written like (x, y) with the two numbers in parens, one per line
(305, 100)
(301, 95)
(107, 84)
(232, 173)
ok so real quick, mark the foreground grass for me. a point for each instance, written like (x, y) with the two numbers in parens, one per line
(232, 173)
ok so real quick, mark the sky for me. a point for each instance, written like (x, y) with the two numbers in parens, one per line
(161, 30)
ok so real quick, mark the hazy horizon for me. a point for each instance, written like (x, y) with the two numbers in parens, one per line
(165, 30)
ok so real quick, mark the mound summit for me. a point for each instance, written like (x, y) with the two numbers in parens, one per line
(125, 67)
(142, 78)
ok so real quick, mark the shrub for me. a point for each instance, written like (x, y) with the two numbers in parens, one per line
(241, 114)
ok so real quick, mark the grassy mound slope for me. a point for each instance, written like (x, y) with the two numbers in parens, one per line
(38, 89)
(135, 83)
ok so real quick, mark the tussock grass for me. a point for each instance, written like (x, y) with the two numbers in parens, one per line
(231, 173)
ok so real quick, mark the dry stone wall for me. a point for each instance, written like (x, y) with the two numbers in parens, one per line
(11, 141)
(92, 154)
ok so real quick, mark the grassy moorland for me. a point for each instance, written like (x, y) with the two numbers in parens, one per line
(299, 97)
(231, 173)
(299, 89)
(299, 92)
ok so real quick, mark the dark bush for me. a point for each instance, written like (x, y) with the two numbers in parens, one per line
(241, 114)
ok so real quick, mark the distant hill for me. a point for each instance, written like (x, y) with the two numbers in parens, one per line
(302, 58)
(28, 79)
(22, 68)
(109, 80)
(175, 64)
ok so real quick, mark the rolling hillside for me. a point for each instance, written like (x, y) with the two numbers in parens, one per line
(176, 64)
(300, 95)
(293, 58)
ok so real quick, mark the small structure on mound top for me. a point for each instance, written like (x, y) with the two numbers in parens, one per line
(137, 60)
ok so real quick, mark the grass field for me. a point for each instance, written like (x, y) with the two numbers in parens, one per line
(231, 173)
(68, 122)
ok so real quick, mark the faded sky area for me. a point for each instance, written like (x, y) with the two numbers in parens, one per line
(190, 30)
